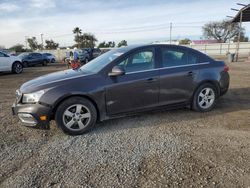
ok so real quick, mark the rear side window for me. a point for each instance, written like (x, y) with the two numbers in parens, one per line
(197, 57)
(173, 57)
(96, 50)
(193, 58)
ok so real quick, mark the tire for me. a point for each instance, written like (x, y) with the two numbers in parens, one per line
(17, 68)
(76, 116)
(53, 60)
(45, 63)
(205, 98)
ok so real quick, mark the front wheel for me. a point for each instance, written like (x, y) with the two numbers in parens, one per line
(76, 116)
(17, 68)
(204, 98)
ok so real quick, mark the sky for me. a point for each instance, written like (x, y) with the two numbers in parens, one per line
(137, 21)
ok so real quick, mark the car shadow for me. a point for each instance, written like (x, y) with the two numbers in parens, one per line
(5, 73)
(236, 99)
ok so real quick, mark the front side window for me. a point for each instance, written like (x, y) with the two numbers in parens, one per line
(173, 57)
(139, 62)
(36, 55)
(31, 56)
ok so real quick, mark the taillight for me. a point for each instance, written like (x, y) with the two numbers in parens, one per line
(226, 68)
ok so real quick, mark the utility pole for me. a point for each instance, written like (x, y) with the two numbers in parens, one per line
(42, 40)
(170, 33)
(240, 29)
(239, 36)
(26, 42)
(229, 40)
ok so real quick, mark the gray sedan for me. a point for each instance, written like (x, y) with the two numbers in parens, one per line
(122, 82)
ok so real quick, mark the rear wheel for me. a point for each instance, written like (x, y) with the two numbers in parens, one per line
(76, 116)
(205, 98)
(17, 68)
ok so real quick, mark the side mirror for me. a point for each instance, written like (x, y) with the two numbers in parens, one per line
(117, 71)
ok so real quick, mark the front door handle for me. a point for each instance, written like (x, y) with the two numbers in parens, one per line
(149, 80)
(191, 73)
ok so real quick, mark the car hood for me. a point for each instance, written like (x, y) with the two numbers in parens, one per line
(50, 80)
(16, 58)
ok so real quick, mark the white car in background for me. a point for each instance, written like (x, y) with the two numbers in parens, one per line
(9, 63)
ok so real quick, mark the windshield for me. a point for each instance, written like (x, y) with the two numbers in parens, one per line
(100, 62)
(22, 55)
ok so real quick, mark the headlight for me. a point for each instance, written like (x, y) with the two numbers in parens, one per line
(32, 97)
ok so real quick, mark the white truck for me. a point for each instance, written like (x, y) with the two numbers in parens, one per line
(9, 63)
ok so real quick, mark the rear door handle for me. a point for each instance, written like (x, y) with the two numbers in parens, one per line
(149, 80)
(191, 73)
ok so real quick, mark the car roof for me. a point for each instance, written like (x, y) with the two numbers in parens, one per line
(131, 47)
(135, 46)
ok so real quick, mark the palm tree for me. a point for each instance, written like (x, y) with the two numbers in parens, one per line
(89, 40)
(78, 32)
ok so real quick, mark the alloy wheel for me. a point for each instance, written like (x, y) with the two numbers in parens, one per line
(76, 117)
(206, 98)
(18, 68)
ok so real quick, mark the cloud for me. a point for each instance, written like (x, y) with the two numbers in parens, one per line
(8, 7)
(42, 4)
(135, 21)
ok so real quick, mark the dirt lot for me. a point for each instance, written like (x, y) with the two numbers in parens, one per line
(179, 148)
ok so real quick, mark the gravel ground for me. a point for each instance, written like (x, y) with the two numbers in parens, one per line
(179, 148)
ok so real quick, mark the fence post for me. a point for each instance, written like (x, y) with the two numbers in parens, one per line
(220, 48)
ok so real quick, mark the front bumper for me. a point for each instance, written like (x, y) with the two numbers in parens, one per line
(34, 115)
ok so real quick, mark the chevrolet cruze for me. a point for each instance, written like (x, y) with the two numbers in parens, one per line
(121, 82)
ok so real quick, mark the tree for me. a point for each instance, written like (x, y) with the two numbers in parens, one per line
(33, 44)
(185, 41)
(87, 40)
(18, 48)
(51, 45)
(102, 45)
(243, 38)
(221, 31)
(122, 43)
(110, 44)
(84, 40)
(78, 32)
